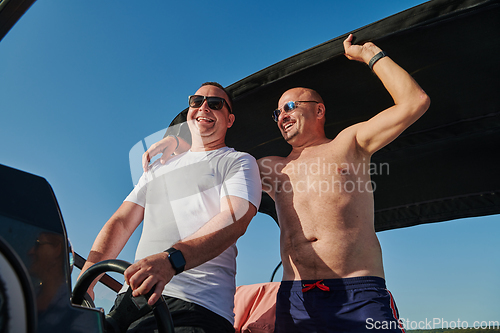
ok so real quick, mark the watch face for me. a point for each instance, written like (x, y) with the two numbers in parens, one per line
(177, 260)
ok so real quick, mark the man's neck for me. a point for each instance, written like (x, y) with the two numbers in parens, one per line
(199, 146)
(299, 147)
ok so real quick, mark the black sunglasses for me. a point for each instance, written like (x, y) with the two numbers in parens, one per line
(214, 103)
(288, 107)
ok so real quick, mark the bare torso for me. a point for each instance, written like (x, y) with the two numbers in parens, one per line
(324, 200)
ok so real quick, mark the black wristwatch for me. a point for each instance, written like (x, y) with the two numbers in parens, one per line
(176, 259)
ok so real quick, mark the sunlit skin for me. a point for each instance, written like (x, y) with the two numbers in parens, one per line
(325, 233)
(296, 121)
(208, 127)
(329, 232)
(322, 190)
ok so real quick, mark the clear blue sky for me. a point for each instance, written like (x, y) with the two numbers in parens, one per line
(82, 81)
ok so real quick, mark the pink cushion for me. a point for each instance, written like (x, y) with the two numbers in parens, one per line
(255, 308)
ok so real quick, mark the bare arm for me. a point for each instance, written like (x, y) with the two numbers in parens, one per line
(410, 100)
(113, 236)
(166, 146)
(205, 244)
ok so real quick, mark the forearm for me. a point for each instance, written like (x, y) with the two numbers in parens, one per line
(114, 235)
(106, 246)
(214, 237)
(205, 244)
(409, 98)
(171, 143)
(410, 104)
(183, 146)
(168, 146)
(404, 90)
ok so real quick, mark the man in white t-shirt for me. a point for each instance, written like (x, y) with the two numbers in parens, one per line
(194, 208)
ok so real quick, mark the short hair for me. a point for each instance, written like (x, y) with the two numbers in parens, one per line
(218, 85)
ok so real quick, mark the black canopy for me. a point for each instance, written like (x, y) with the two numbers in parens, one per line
(441, 168)
(10, 12)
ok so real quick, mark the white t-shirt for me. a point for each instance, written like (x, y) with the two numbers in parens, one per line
(179, 198)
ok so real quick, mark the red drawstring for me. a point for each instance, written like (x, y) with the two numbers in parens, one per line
(318, 284)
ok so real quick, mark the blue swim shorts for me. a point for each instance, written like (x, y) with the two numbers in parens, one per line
(359, 304)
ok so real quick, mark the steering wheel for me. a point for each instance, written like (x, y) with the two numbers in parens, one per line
(120, 318)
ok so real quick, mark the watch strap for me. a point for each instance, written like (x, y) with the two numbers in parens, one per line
(376, 58)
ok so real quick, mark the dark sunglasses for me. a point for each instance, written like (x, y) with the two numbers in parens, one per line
(214, 103)
(288, 107)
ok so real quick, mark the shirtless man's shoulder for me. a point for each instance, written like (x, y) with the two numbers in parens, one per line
(344, 142)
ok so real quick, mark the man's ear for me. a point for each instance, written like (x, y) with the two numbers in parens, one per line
(320, 110)
(231, 120)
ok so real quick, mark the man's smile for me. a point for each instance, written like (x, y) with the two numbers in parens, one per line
(204, 119)
(288, 125)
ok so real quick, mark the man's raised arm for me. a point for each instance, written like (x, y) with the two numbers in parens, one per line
(410, 100)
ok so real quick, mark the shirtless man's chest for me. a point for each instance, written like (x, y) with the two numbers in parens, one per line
(324, 202)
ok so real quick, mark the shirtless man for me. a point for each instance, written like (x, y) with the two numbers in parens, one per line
(333, 276)
(324, 200)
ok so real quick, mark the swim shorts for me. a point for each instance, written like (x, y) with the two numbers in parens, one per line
(359, 304)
